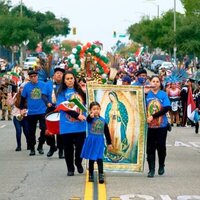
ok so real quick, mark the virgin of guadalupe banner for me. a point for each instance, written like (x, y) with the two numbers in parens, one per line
(123, 108)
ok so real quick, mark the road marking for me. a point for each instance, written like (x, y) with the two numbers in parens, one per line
(94, 190)
(2, 126)
(88, 188)
(102, 191)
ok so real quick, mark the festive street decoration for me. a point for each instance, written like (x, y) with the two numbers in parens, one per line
(90, 60)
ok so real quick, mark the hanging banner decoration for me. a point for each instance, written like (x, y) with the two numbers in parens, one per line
(94, 59)
(123, 108)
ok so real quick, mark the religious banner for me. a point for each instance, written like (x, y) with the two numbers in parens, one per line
(123, 108)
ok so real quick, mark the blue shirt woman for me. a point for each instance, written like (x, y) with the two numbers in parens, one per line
(72, 122)
(157, 105)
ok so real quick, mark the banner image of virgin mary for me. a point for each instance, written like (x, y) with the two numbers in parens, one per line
(123, 109)
(116, 116)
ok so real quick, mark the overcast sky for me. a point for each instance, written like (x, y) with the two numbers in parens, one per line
(97, 19)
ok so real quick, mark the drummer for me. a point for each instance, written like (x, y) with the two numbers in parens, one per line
(49, 97)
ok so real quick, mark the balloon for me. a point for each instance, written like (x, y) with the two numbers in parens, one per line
(103, 53)
(78, 70)
(71, 56)
(73, 61)
(75, 66)
(81, 55)
(77, 57)
(106, 71)
(74, 50)
(96, 50)
(97, 69)
(104, 76)
(79, 47)
(88, 44)
(78, 62)
(84, 48)
(103, 80)
(93, 46)
(70, 65)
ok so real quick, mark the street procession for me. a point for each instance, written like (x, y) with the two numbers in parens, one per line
(81, 120)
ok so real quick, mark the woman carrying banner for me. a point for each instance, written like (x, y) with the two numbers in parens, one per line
(72, 122)
(158, 105)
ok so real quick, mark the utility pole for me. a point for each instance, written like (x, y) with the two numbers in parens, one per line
(175, 49)
(158, 11)
(157, 5)
(21, 8)
(21, 45)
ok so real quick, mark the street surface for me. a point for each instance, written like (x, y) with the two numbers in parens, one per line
(40, 178)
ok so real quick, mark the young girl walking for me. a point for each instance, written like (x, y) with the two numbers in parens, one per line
(93, 148)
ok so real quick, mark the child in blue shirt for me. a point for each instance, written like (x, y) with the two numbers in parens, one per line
(93, 148)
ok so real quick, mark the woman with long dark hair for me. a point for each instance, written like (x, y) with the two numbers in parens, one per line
(72, 122)
(157, 104)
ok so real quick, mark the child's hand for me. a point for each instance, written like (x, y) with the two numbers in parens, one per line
(110, 147)
(91, 114)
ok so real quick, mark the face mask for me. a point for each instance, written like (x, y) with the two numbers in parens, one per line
(141, 80)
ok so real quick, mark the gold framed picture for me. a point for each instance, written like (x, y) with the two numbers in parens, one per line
(123, 108)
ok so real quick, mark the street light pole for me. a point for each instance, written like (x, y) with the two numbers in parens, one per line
(157, 5)
(158, 11)
(21, 8)
(175, 32)
(21, 48)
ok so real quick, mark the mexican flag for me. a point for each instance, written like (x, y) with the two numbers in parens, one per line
(139, 51)
(192, 113)
(72, 104)
(15, 77)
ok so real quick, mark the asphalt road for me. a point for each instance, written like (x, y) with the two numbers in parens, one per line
(40, 178)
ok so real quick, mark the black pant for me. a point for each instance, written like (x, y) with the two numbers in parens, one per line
(99, 163)
(156, 140)
(32, 125)
(52, 140)
(73, 142)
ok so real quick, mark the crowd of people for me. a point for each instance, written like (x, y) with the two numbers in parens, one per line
(33, 99)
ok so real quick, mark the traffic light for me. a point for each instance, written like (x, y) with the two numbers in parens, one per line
(114, 34)
(74, 31)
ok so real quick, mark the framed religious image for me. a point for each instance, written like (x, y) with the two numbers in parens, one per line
(123, 109)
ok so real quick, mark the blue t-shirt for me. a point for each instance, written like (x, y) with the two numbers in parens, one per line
(33, 94)
(49, 86)
(154, 103)
(67, 123)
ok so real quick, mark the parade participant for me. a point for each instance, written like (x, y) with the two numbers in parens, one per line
(6, 88)
(184, 99)
(174, 96)
(158, 104)
(49, 96)
(197, 100)
(72, 123)
(32, 94)
(93, 148)
(82, 83)
(126, 80)
(20, 121)
(141, 77)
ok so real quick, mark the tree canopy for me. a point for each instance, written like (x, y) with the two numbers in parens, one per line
(18, 25)
(159, 32)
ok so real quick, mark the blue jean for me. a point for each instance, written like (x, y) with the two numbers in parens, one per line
(19, 126)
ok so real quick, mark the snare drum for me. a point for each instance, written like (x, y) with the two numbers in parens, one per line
(52, 123)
